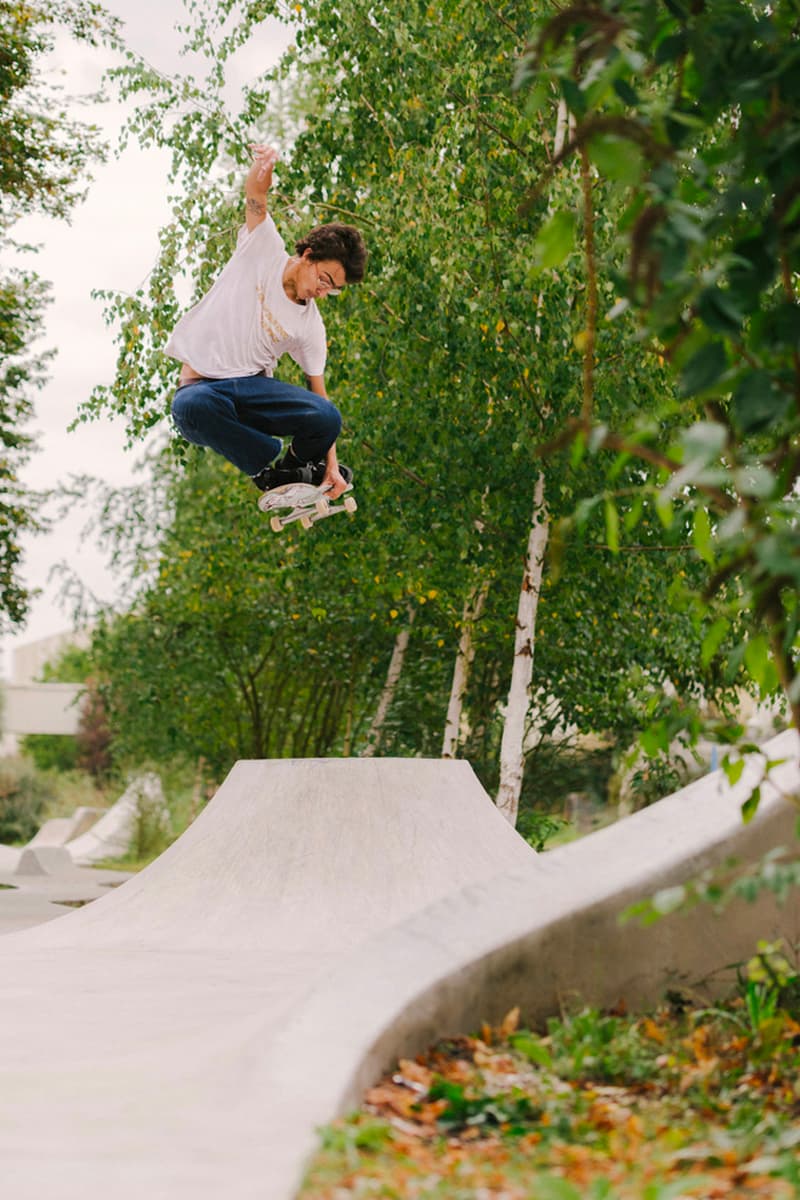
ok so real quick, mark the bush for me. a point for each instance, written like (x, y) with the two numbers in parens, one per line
(51, 751)
(24, 794)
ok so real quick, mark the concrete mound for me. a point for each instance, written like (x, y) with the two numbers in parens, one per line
(310, 855)
(45, 860)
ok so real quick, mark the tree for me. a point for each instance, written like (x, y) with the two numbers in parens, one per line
(42, 167)
(451, 362)
(693, 113)
(204, 662)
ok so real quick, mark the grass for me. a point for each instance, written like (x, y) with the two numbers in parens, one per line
(689, 1103)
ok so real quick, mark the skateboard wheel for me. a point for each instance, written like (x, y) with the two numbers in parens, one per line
(350, 504)
(306, 522)
(323, 506)
(275, 524)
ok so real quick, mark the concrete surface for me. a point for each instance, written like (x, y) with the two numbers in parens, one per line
(183, 1037)
(9, 857)
(42, 883)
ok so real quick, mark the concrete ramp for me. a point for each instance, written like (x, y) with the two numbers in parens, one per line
(112, 834)
(310, 855)
(146, 1074)
(60, 830)
(183, 1037)
(55, 832)
(45, 860)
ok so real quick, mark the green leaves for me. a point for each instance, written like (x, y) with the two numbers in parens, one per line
(758, 402)
(760, 665)
(701, 534)
(554, 241)
(704, 369)
(617, 158)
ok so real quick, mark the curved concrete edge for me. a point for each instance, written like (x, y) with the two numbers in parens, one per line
(111, 835)
(543, 940)
(46, 860)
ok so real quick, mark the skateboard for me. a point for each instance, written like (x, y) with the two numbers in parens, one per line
(306, 503)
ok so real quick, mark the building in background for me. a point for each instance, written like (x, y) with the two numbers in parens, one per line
(30, 706)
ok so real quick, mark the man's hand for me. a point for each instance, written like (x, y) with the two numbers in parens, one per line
(334, 482)
(264, 159)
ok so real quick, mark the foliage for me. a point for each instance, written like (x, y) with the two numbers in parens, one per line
(208, 639)
(44, 161)
(50, 751)
(24, 793)
(450, 366)
(679, 1102)
(691, 114)
(93, 739)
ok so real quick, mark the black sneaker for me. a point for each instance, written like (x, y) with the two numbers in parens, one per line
(280, 473)
(271, 477)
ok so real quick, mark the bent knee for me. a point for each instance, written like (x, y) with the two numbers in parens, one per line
(332, 420)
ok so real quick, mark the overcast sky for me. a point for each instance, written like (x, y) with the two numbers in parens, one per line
(110, 243)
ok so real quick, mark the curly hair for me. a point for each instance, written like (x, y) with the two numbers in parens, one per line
(343, 243)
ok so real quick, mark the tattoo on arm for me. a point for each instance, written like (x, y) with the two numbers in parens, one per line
(257, 207)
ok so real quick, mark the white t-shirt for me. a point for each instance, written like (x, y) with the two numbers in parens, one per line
(246, 321)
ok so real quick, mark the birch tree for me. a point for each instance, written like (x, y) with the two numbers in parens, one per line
(512, 747)
(389, 690)
(464, 656)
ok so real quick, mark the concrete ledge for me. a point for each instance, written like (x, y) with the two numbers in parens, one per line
(541, 939)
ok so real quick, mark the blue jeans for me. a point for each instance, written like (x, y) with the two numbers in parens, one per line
(243, 419)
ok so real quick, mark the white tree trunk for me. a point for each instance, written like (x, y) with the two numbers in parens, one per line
(473, 608)
(389, 687)
(512, 745)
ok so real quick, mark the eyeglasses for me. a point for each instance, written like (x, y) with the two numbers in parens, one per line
(327, 284)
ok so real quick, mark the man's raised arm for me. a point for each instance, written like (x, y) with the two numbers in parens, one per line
(258, 183)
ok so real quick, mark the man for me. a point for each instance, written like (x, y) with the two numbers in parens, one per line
(264, 304)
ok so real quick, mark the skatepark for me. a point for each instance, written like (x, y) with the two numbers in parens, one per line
(185, 1035)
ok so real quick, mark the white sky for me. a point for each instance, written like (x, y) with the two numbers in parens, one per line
(110, 243)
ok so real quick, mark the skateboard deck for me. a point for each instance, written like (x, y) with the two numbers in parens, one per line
(305, 503)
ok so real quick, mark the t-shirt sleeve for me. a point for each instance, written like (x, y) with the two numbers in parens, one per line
(262, 238)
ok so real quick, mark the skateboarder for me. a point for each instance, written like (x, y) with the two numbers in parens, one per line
(264, 304)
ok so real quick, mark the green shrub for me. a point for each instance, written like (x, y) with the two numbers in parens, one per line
(51, 751)
(24, 794)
